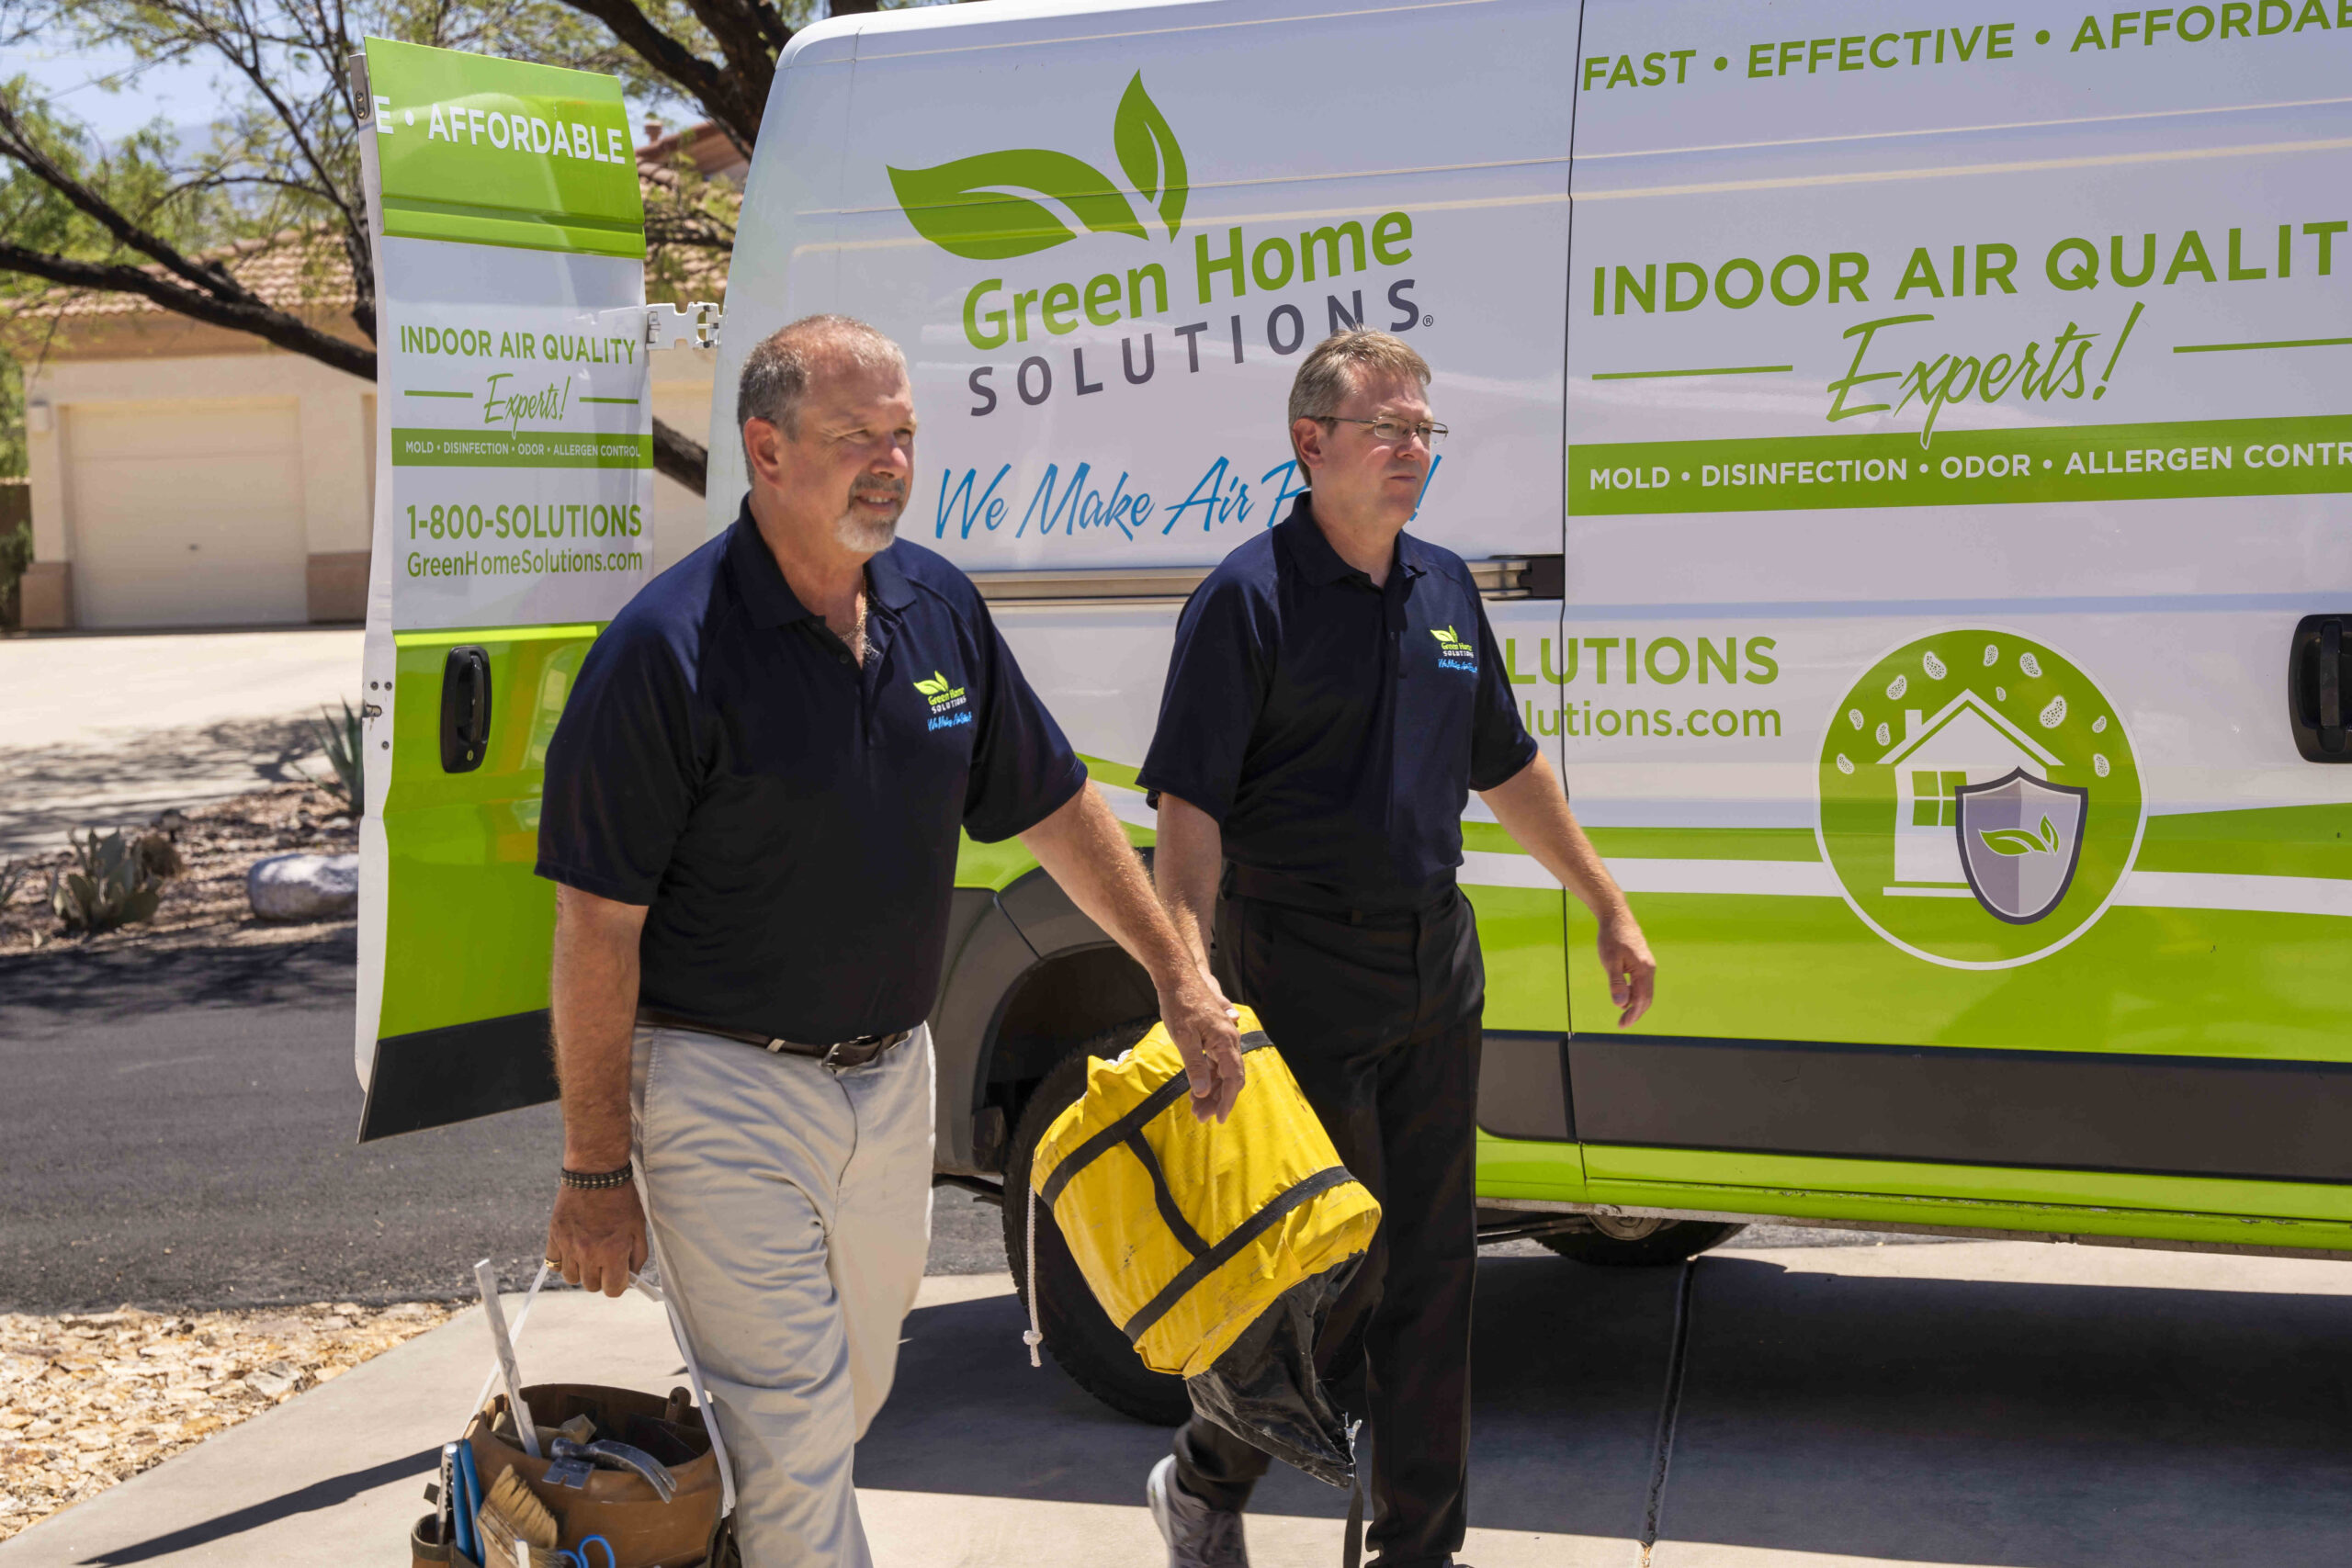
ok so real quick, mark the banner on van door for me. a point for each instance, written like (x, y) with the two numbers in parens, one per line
(516, 432)
(1983, 261)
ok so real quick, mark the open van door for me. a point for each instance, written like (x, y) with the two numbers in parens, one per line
(514, 490)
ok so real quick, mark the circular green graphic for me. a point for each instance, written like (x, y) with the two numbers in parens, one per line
(1979, 798)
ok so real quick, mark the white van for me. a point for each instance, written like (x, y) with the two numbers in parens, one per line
(1906, 449)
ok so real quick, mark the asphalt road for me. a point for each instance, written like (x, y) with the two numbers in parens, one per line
(176, 1130)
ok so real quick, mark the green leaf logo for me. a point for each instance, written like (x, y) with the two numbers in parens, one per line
(2018, 842)
(962, 206)
(1446, 639)
(934, 687)
(987, 208)
(1149, 153)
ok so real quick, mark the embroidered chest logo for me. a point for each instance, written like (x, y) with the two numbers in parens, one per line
(1453, 653)
(948, 708)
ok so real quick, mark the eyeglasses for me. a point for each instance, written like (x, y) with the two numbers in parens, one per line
(1392, 431)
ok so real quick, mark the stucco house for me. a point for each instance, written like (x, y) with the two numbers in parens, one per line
(186, 474)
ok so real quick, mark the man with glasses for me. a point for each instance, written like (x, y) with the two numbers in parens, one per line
(1334, 696)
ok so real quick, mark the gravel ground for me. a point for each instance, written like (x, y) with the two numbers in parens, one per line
(90, 1399)
(205, 903)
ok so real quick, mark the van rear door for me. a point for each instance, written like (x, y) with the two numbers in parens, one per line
(514, 490)
(1957, 442)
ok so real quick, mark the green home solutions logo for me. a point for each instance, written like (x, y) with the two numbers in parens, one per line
(1980, 800)
(967, 207)
(1089, 280)
(1453, 652)
(948, 708)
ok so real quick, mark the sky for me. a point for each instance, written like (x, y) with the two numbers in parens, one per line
(73, 80)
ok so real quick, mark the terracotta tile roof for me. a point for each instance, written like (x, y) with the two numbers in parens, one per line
(713, 153)
(303, 273)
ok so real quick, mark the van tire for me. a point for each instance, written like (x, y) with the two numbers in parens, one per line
(1080, 1336)
(1674, 1241)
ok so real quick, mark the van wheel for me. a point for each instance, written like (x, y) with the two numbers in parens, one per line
(1080, 1336)
(1632, 1242)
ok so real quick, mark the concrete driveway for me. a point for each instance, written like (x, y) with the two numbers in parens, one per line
(1983, 1403)
(99, 731)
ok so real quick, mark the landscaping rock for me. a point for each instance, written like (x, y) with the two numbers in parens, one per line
(304, 887)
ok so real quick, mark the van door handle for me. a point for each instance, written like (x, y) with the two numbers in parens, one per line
(2315, 688)
(465, 709)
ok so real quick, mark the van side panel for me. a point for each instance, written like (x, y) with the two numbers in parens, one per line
(1957, 434)
(1105, 240)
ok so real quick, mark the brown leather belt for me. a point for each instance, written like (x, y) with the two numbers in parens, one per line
(839, 1056)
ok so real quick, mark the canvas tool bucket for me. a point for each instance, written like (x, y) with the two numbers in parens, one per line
(1218, 1248)
(623, 1508)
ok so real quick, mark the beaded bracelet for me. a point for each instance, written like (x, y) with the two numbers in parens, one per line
(596, 1180)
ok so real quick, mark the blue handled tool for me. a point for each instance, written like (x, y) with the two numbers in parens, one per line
(470, 1503)
(576, 1556)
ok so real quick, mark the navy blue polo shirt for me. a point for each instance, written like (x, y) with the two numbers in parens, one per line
(1335, 729)
(789, 814)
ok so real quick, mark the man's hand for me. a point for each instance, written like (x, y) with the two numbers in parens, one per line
(597, 1239)
(1626, 959)
(1083, 848)
(1200, 1021)
(1534, 811)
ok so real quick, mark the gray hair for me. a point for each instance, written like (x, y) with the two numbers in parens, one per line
(778, 370)
(1332, 370)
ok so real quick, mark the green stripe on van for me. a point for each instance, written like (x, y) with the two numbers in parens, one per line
(2285, 840)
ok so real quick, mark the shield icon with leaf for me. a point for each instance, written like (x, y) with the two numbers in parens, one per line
(2020, 839)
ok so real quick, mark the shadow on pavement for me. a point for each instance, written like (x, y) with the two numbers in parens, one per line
(1569, 1362)
(80, 990)
(2040, 1425)
(302, 1500)
(47, 790)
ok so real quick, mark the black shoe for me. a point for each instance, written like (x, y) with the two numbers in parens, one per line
(1197, 1535)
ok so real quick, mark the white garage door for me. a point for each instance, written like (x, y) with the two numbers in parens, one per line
(187, 513)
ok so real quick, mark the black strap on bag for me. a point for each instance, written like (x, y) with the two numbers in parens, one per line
(722, 1551)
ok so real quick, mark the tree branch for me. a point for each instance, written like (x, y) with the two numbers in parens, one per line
(20, 148)
(245, 314)
(703, 82)
(681, 457)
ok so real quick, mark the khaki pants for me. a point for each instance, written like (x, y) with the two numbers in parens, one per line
(793, 1208)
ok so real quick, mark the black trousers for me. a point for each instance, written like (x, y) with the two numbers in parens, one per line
(1378, 1016)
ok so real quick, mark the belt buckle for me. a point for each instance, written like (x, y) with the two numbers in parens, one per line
(833, 1061)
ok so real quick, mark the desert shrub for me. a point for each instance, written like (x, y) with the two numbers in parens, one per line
(345, 747)
(109, 885)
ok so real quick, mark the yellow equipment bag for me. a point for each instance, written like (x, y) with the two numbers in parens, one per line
(1191, 1234)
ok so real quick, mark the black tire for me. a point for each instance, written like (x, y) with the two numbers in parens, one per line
(1080, 1336)
(1672, 1241)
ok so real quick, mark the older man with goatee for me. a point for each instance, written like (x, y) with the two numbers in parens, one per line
(751, 810)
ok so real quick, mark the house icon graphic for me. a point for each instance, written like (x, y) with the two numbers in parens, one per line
(1968, 742)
